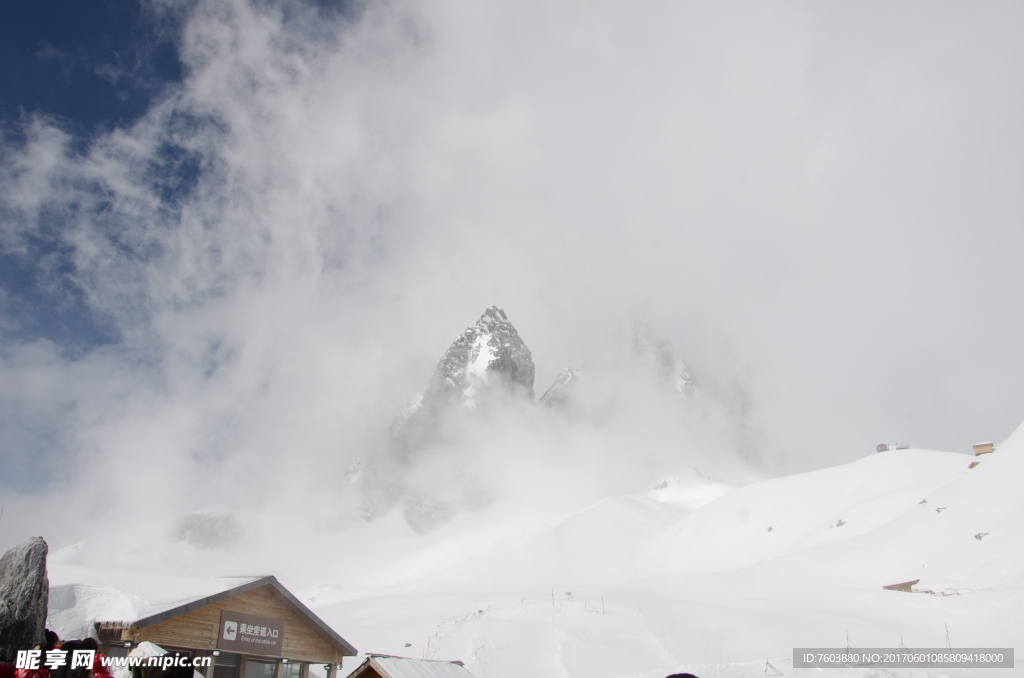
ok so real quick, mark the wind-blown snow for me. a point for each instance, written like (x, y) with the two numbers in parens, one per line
(476, 370)
(686, 576)
(81, 596)
(642, 587)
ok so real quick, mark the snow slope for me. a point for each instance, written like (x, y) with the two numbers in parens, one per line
(80, 596)
(780, 516)
(657, 588)
(687, 577)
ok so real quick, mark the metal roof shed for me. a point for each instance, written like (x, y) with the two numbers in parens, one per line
(386, 666)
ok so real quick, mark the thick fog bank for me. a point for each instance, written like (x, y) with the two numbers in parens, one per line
(816, 206)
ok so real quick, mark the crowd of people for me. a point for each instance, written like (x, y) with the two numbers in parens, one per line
(54, 658)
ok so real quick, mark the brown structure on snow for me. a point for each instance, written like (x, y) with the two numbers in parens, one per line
(904, 586)
(983, 448)
(255, 630)
(885, 447)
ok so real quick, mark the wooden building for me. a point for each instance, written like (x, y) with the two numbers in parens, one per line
(386, 666)
(257, 629)
(907, 586)
(983, 448)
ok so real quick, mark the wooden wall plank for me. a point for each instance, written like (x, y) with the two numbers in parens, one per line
(197, 629)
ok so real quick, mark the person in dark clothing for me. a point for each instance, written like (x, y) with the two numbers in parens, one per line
(51, 642)
(64, 670)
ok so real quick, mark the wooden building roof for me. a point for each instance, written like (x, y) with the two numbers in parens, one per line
(244, 588)
(195, 623)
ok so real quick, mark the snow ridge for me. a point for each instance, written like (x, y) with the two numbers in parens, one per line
(488, 356)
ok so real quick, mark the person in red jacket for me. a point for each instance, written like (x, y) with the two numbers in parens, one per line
(52, 643)
(99, 669)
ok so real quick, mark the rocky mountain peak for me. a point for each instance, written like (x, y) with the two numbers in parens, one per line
(487, 355)
(487, 361)
(486, 368)
(491, 317)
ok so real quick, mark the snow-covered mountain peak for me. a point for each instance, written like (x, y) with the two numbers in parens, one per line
(485, 365)
(491, 317)
(488, 354)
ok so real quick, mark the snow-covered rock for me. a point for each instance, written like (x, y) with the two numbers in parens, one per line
(487, 364)
(488, 355)
(488, 359)
(561, 389)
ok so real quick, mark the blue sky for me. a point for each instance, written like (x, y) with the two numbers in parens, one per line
(94, 66)
(89, 68)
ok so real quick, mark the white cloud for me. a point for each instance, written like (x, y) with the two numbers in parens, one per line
(819, 205)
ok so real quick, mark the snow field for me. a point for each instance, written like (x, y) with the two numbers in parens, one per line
(712, 591)
(686, 577)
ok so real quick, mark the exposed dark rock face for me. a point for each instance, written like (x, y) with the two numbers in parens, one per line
(487, 358)
(24, 593)
(559, 392)
(430, 468)
(488, 354)
(486, 364)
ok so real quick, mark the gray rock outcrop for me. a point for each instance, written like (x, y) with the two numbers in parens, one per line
(558, 393)
(488, 354)
(24, 592)
(487, 359)
(486, 366)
